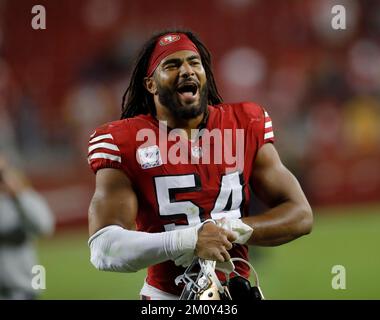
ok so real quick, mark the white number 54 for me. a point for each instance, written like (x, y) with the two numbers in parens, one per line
(227, 203)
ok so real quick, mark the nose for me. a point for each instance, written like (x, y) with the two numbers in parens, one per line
(186, 70)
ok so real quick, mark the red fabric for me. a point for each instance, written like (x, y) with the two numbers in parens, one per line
(167, 45)
(247, 116)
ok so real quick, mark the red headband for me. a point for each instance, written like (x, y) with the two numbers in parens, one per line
(166, 45)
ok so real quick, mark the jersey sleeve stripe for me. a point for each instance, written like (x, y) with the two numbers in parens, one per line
(266, 114)
(108, 156)
(104, 145)
(268, 124)
(101, 137)
(268, 135)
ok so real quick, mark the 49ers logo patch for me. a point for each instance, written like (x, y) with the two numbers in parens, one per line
(169, 39)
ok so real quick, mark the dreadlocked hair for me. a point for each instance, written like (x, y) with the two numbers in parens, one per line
(137, 100)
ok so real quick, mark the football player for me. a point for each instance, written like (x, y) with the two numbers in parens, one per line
(173, 176)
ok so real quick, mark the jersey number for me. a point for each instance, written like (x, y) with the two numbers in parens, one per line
(227, 203)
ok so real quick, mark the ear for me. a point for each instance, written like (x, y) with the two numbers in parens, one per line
(150, 85)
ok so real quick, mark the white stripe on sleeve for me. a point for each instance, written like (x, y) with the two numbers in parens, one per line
(101, 137)
(104, 145)
(268, 124)
(268, 135)
(101, 155)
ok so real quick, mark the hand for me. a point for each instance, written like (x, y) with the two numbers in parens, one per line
(214, 242)
(11, 181)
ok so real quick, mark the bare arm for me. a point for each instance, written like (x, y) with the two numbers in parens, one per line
(114, 201)
(290, 215)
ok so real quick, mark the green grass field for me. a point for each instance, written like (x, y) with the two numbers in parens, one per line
(301, 269)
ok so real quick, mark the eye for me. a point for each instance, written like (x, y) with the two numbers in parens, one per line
(170, 66)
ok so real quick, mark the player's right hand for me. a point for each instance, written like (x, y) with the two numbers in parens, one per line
(214, 242)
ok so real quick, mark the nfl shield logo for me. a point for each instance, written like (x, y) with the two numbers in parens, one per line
(149, 157)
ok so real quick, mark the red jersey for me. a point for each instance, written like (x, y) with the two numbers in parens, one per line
(183, 182)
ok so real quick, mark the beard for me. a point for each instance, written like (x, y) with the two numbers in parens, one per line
(169, 99)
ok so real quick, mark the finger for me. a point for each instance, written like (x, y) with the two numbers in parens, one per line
(231, 236)
(219, 257)
(227, 244)
(225, 255)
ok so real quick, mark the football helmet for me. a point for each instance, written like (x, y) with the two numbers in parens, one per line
(201, 282)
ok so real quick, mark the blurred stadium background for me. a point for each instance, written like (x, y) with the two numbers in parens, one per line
(320, 85)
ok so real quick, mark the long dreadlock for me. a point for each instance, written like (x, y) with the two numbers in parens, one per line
(137, 100)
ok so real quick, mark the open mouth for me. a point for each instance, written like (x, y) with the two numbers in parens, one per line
(188, 90)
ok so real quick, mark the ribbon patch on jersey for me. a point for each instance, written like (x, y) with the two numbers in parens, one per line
(149, 157)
